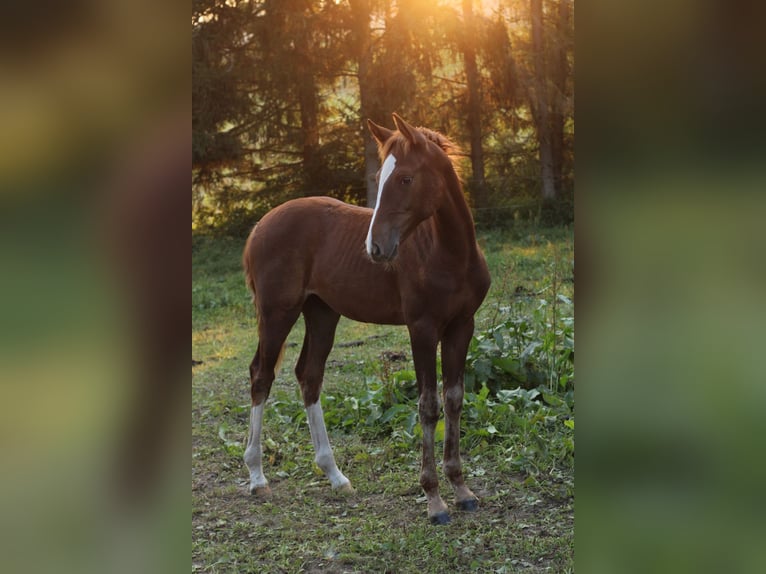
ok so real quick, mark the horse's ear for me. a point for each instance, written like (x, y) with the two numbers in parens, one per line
(380, 133)
(408, 131)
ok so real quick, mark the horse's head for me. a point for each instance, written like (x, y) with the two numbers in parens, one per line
(409, 185)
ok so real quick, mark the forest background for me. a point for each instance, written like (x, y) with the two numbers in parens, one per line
(282, 89)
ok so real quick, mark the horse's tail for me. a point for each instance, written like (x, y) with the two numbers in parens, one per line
(279, 358)
(247, 264)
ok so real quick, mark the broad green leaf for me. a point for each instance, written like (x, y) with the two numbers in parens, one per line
(439, 431)
(529, 350)
(552, 400)
(508, 365)
(393, 411)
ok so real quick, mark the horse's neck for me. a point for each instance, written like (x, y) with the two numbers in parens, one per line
(453, 222)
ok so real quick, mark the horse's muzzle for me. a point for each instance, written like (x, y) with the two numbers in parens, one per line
(380, 256)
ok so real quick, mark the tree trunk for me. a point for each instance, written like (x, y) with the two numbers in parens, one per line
(360, 10)
(540, 106)
(312, 168)
(561, 68)
(371, 167)
(473, 79)
(309, 110)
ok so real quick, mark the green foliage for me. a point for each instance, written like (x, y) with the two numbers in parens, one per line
(535, 427)
(517, 443)
(526, 350)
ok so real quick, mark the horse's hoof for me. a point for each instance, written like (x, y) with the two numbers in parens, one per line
(345, 489)
(468, 505)
(440, 518)
(261, 491)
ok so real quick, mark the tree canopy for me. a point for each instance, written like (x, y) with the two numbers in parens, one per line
(282, 89)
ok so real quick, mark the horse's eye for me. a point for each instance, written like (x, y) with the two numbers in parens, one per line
(406, 180)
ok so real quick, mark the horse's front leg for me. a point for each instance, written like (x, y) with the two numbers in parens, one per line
(424, 341)
(455, 343)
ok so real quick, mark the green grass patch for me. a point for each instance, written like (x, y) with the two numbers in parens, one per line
(517, 431)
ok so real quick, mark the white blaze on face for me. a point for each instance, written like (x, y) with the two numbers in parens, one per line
(385, 173)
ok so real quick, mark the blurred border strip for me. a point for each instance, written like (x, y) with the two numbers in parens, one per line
(95, 167)
(670, 246)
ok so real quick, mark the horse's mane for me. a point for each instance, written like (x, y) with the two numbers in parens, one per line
(447, 145)
(450, 148)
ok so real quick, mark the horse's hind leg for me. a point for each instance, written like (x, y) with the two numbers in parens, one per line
(321, 321)
(273, 329)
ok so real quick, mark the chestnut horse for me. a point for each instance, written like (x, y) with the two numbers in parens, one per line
(412, 261)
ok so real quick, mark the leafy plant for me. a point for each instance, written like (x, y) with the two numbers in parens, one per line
(535, 426)
(524, 351)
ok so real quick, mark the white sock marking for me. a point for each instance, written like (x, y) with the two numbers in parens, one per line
(385, 173)
(324, 457)
(253, 454)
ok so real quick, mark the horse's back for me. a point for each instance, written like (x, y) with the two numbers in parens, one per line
(300, 227)
(305, 216)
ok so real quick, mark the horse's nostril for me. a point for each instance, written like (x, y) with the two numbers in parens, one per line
(376, 250)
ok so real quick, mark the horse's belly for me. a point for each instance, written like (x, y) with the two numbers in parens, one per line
(374, 316)
(372, 306)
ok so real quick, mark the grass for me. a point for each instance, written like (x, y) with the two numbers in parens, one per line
(518, 443)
